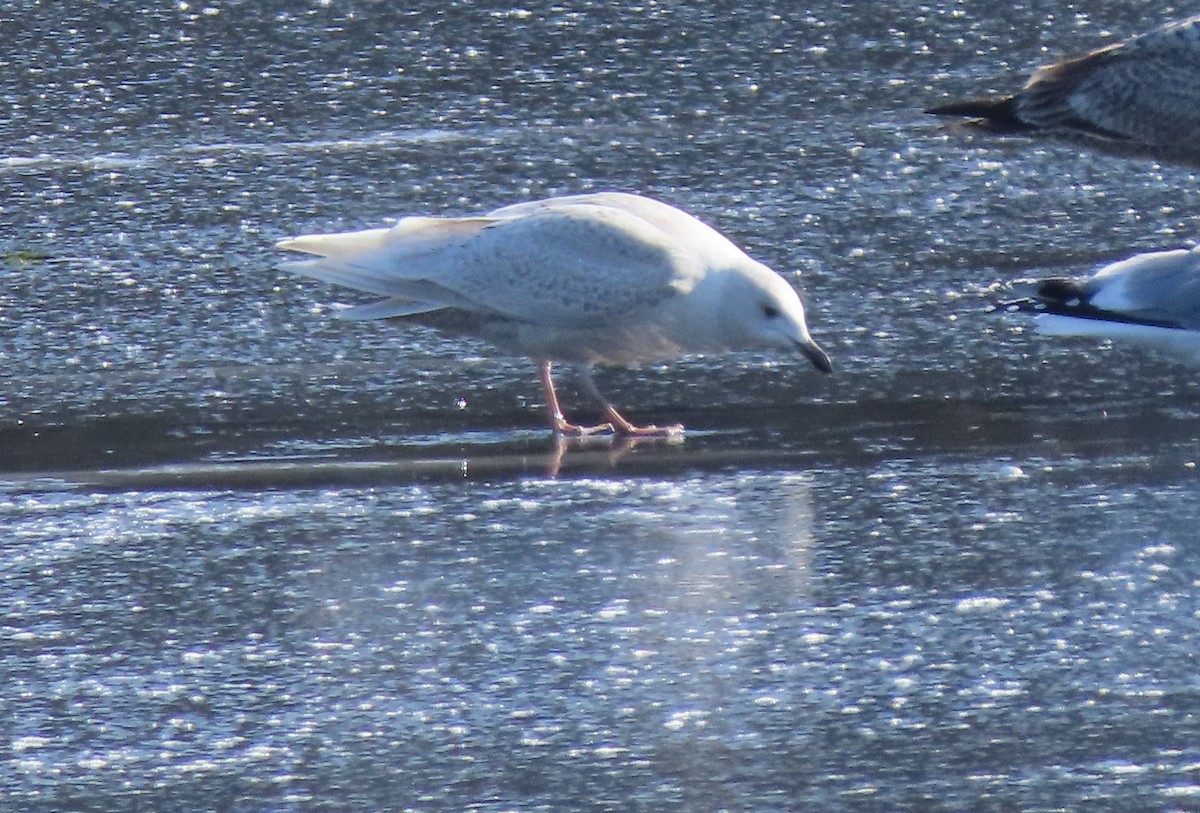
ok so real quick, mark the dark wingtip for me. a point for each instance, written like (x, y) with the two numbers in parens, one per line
(997, 113)
(1059, 296)
(1060, 289)
(1055, 295)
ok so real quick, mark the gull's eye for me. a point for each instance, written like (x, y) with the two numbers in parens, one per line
(770, 311)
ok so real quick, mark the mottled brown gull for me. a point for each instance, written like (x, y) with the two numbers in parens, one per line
(1151, 299)
(1140, 96)
(605, 278)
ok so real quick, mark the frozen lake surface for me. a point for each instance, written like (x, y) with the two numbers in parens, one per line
(261, 560)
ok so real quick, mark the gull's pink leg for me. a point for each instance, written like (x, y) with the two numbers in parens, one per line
(620, 424)
(559, 421)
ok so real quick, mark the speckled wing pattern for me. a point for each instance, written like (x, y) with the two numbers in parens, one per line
(699, 235)
(573, 265)
(1146, 89)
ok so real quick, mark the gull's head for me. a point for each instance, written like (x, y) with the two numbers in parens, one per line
(759, 309)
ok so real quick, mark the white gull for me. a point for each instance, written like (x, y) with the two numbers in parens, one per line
(604, 278)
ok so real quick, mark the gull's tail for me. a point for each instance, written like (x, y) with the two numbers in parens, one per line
(391, 262)
(1062, 297)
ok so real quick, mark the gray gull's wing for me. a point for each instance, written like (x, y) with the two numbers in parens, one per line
(1160, 287)
(1145, 90)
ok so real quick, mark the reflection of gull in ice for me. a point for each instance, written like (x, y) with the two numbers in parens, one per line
(732, 566)
(605, 278)
(726, 542)
(588, 452)
(1152, 298)
(1140, 93)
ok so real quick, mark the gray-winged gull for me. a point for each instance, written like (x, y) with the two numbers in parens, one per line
(605, 278)
(1151, 298)
(1140, 93)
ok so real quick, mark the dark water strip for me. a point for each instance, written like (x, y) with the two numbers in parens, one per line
(161, 455)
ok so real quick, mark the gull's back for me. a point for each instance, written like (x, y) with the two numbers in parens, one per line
(1146, 89)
